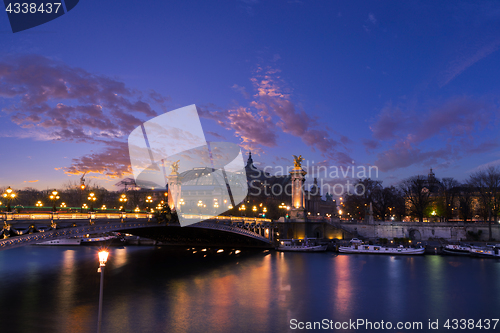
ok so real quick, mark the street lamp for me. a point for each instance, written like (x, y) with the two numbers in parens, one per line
(9, 195)
(92, 198)
(149, 200)
(123, 199)
(254, 210)
(54, 196)
(39, 204)
(82, 187)
(103, 257)
(243, 209)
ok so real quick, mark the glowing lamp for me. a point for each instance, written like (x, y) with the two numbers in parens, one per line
(103, 257)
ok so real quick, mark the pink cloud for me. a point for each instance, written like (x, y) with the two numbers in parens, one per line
(216, 135)
(370, 145)
(54, 101)
(272, 111)
(402, 156)
(454, 122)
(462, 62)
(112, 162)
(273, 100)
(51, 96)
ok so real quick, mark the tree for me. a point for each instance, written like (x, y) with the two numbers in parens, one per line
(356, 203)
(448, 188)
(384, 201)
(486, 183)
(417, 194)
(465, 193)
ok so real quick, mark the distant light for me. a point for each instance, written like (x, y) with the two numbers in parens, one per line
(220, 251)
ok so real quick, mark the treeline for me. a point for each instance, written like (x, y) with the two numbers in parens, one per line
(421, 197)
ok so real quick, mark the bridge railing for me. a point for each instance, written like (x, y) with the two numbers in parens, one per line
(128, 216)
(75, 216)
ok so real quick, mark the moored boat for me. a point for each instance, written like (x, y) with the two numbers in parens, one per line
(62, 241)
(485, 252)
(300, 246)
(97, 239)
(457, 249)
(357, 246)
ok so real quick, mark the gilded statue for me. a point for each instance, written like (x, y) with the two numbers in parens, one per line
(297, 161)
(175, 167)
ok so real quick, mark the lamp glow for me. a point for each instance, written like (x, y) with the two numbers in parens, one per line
(103, 257)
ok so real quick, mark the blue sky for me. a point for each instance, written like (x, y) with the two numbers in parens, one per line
(404, 85)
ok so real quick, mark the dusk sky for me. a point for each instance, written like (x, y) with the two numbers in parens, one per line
(402, 85)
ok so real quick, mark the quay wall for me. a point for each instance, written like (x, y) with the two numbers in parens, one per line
(455, 231)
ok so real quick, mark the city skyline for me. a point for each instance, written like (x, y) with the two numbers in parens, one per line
(404, 87)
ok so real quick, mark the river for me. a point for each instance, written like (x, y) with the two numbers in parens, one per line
(156, 289)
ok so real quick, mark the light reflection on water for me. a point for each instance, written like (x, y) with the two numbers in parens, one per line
(147, 289)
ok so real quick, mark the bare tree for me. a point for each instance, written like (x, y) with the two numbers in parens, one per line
(448, 188)
(486, 183)
(356, 203)
(465, 193)
(385, 201)
(417, 194)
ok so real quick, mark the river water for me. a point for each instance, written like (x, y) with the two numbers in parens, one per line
(155, 289)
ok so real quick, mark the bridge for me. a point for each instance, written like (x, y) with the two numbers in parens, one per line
(222, 231)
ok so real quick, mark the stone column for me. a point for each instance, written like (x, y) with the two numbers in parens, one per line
(174, 191)
(297, 210)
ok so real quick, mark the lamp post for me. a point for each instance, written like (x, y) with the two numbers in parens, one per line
(284, 207)
(103, 257)
(54, 197)
(149, 200)
(123, 199)
(92, 199)
(254, 210)
(9, 195)
(243, 209)
(82, 187)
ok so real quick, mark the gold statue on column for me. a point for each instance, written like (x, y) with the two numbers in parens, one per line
(175, 168)
(297, 161)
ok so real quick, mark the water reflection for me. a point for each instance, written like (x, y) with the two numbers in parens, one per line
(155, 290)
(343, 290)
